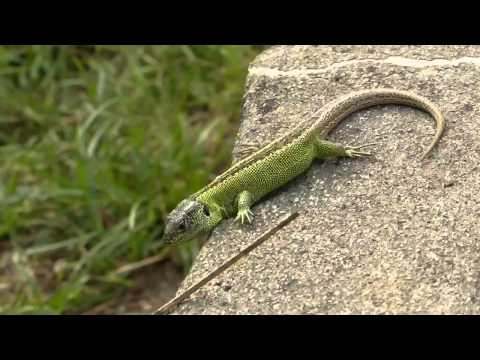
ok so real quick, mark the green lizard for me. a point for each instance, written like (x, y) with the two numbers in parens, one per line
(254, 176)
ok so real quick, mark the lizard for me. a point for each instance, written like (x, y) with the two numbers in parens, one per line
(248, 180)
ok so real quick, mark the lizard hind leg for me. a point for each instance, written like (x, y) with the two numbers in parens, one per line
(244, 201)
(325, 149)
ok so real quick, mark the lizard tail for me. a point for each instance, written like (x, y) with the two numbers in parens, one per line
(339, 109)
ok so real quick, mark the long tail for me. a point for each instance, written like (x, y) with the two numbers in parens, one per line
(333, 113)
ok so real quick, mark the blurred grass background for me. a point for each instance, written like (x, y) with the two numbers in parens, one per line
(97, 145)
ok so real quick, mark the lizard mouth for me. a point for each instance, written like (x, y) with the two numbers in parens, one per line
(166, 240)
(168, 236)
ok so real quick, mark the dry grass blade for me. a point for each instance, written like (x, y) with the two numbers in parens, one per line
(141, 264)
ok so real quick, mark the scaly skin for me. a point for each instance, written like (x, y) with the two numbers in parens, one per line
(275, 164)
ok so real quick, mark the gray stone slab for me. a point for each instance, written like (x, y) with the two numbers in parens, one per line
(386, 234)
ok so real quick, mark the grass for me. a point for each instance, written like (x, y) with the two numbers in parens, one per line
(97, 145)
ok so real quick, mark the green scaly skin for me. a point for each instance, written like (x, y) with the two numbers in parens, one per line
(253, 177)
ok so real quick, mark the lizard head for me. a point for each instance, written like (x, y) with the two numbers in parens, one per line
(189, 219)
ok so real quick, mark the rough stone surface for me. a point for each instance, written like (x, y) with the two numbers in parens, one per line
(386, 234)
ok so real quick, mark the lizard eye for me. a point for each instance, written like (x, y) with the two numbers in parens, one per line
(182, 226)
(206, 211)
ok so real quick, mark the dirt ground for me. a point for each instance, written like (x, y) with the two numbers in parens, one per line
(155, 286)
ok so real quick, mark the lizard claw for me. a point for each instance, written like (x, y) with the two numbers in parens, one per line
(244, 214)
(354, 151)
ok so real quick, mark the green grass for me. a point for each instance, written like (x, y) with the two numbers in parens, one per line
(97, 145)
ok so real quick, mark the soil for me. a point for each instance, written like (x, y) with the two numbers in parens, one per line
(155, 286)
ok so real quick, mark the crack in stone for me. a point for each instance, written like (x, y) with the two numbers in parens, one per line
(393, 60)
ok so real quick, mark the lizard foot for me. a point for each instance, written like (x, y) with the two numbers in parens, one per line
(244, 214)
(354, 151)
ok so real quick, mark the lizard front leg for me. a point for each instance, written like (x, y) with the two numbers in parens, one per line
(325, 149)
(244, 201)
